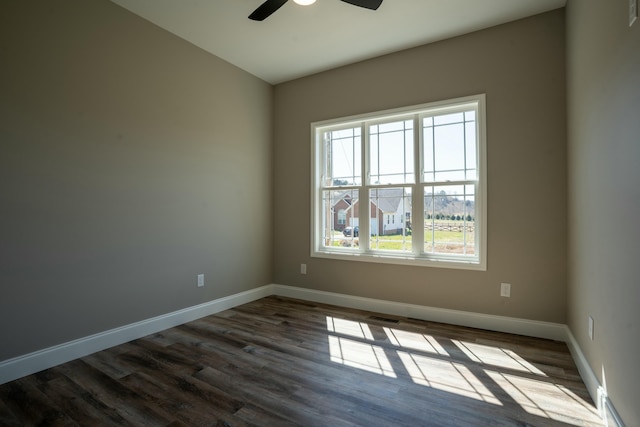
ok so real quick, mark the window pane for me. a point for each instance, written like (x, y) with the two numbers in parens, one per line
(391, 152)
(448, 118)
(427, 137)
(470, 116)
(449, 152)
(340, 218)
(343, 151)
(449, 225)
(390, 219)
(470, 146)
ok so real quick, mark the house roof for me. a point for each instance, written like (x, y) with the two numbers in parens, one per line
(386, 199)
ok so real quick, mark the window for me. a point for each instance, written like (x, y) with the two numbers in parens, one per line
(420, 174)
(342, 217)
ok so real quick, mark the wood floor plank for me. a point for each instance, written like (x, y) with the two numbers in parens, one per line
(273, 401)
(7, 418)
(32, 406)
(107, 363)
(82, 406)
(258, 416)
(114, 394)
(285, 362)
(175, 395)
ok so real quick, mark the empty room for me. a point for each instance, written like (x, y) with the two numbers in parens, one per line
(181, 239)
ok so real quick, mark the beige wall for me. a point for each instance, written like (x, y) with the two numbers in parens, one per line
(130, 161)
(521, 68)
(119, 154)
(603, 74)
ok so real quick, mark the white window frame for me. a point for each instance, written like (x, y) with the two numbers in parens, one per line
(477, 261)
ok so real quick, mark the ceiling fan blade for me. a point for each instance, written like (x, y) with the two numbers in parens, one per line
(368, 4)
(266, 9)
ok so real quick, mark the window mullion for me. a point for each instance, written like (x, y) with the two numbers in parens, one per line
(417, 203)
(464, 145)
(364, 212)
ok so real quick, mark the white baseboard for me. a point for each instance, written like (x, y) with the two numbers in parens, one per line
(598, 393)
(34, 362)
(31, 363)
(531, 328)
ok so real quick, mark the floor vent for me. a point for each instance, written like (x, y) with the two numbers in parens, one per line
(384, 319)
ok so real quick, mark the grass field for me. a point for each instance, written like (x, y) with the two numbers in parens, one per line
(439, 240)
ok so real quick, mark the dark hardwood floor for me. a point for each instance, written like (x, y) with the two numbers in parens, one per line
(283, 362)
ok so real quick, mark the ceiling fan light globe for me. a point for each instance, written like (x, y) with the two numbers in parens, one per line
(304, 2)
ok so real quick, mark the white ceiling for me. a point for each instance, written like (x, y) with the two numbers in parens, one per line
(301, 40)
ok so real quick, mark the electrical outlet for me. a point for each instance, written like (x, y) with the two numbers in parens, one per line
(505, 290)
(200, 280)
(591, 328)
(633, 11)
(303, 268)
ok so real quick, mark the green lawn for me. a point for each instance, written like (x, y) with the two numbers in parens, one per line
(445, 241)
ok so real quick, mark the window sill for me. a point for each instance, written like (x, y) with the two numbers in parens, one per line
(458, 263)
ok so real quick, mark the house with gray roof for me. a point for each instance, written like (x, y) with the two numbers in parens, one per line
(390, 210)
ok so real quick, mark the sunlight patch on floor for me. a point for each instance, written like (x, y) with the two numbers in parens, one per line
(360, 355)
(349, 327)
(546, 399)
(430, 364)
(415, 341)
(446, 376)
(504, 358)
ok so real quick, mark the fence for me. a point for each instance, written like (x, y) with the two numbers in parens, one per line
(450, 226)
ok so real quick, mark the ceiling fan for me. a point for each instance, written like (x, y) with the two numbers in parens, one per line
(268, 7)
